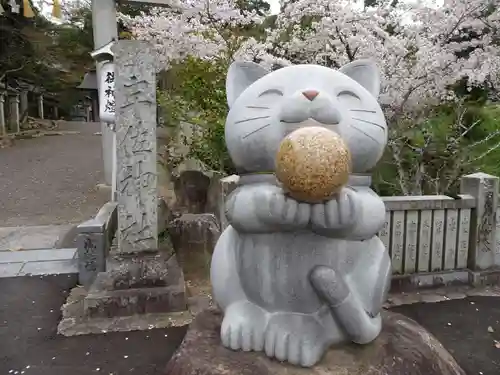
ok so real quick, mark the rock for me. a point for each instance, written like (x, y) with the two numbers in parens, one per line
(191, 188)
(6, 142)
(403, 348)
(164, 215)
(194, 237)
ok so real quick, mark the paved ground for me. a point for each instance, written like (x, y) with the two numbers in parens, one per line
(29, 313)
(52, 180)
(469, 328)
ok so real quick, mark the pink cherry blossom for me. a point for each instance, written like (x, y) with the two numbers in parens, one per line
(418, 57)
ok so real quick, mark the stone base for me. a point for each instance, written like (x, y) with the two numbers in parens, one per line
(419, 281)
(141, 283)
(403, 348)
(74, 321)
(138, 291)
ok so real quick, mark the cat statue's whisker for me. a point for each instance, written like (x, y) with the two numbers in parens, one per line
(257, 107)
(363, 110)
(370, 122)
(251, 119)
(365, 133)
(256, 130)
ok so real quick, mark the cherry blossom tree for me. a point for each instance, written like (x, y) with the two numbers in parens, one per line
(423, 51)
(196, 41)
(418, 49)
(195, 28)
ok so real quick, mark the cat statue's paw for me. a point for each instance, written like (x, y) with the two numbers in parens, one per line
(295, 338)
(275, 208)
(243, 327)
(339, 213)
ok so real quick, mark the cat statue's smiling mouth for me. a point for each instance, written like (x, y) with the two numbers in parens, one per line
(309, 122)
(295, 113)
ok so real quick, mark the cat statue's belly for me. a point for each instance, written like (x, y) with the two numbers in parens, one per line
(274, 268)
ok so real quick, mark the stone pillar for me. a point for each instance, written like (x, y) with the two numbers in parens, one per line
(56, 112)
(88, 114)
(94, 105)
(484, 251)
(142, 272)
(3, 129)
(24, 103)
(14, 120)
(40, 106)
(135, 95)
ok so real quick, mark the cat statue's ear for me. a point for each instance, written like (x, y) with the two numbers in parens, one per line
(242, 74)
(366, 73)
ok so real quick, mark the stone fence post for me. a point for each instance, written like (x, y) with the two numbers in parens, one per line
(14, 120)
(94, 243)
(24, 104)
(40, 106)
(3, 128)
(224, 187)
(484, 247)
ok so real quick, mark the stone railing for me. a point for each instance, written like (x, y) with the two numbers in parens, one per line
(427, 233)
(440, 240)
(434, 240)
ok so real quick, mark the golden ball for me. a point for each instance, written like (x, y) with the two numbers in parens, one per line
(313, 163)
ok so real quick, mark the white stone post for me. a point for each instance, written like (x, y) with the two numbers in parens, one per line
(24, 102)
(484, 251)
(88, 113)
(105, 31)
(40, 106)
(107, 107)
(3, 129)
(14, 121)
(114, 170)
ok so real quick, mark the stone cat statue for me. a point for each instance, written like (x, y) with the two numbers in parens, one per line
(293, 278)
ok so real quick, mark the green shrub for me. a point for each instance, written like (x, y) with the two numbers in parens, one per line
(426, 154)
(430, 155)
(197, 95)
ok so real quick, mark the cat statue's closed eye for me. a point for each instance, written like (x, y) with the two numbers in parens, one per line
(294, 278)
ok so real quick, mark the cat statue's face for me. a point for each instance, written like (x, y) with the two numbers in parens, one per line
(265, 107)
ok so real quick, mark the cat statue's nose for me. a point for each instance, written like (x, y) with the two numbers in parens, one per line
(310, 94)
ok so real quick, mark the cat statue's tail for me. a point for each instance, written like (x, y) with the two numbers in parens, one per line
(361, 327)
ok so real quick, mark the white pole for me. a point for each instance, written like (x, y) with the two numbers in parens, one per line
(105, 30)
(114, 170)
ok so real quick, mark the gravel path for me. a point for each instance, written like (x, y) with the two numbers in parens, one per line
(52, 179)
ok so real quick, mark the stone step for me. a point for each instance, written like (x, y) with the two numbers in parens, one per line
(38, 262)
(33, 237)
